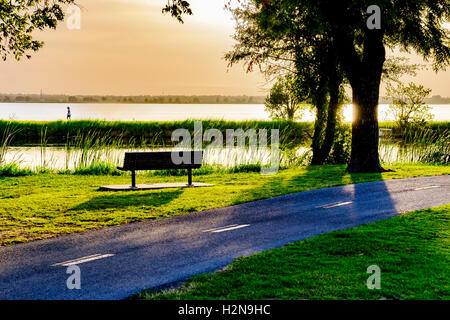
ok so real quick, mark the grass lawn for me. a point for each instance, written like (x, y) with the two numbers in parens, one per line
(412, 252)
(46, 205)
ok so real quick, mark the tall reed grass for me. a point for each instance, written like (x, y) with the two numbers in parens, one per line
(8, 131)
(12, 168)
(418, 146)
(141, 133)
(99, 152)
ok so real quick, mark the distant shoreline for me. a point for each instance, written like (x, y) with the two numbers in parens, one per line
(163, 99)
(169, 103)
(173, 103)
(169, 99)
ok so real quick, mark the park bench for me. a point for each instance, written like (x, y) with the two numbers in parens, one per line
(160, 160)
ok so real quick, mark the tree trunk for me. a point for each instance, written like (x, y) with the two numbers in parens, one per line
(319, 128)
(330, 131)
(364, 74)
(322, 148)
(364, 155)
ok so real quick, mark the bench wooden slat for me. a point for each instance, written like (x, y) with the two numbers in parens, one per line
(160, 160)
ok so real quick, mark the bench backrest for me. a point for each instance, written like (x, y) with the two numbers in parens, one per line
(161, 160)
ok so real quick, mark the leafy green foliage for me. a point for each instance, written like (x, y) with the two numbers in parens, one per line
(282, 103)
(396, 67)
(408, 105)
(21, 18)
(176, 8)
(281, 39)
(340, 153)
(306, 35)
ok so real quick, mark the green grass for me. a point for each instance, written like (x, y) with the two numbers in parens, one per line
(14, 170)
(412, 252)
(98, 169)
(46, 205)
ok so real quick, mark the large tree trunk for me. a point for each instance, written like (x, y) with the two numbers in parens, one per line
(365, 78)
(364, 155)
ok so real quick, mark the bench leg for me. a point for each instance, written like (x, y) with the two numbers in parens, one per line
(189, 177)
(133, 179)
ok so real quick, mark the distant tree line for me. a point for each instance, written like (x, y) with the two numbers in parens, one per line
(169, 99)
(432, 100)
(36, 98)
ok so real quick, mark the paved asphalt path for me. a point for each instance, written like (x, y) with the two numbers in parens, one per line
(125, 259)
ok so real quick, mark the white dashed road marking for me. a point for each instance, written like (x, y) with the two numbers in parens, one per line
(227, 228)
(82, 260)
(334, 205)
(425, 188)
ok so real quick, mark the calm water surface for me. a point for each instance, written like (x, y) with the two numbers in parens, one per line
(164, 112)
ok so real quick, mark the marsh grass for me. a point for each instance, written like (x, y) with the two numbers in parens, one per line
(418, 146)
(94, 149)
(14, 170)
(47, 161)
(6, 136)
(99, 151)
(147, 133)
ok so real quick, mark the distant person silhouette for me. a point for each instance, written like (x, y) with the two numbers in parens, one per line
(69, 114)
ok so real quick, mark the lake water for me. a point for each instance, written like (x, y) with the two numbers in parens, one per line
(61, 159)
(57, 158)
(164, 112)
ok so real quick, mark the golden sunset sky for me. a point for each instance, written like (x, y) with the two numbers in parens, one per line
(128, 47)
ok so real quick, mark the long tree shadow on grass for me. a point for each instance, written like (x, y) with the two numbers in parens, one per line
(314, 177)
(118, 200)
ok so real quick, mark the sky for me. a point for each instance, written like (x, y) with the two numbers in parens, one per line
(128, 47)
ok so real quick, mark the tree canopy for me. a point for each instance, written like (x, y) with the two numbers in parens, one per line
(412, 25)
(408, 105)
(282, 102)
(20, 18)
(176, 8)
